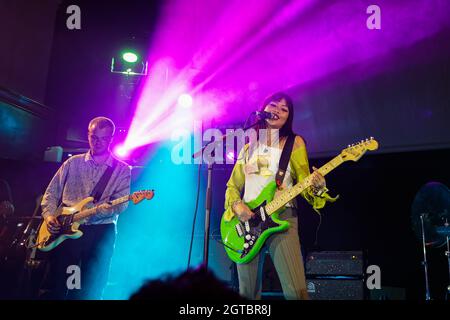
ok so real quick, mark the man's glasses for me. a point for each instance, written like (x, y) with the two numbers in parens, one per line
(103, 139)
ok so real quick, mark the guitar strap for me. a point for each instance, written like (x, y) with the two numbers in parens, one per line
(99, 188)
(284, 160)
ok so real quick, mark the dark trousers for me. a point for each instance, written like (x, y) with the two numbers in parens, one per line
(91, 253)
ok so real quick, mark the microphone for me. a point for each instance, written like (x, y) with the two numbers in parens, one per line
(263, 115)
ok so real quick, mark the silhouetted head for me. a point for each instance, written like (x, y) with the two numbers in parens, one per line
(193, 285)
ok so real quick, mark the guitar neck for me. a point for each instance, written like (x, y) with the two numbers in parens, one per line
(89, 212)
(289, 194)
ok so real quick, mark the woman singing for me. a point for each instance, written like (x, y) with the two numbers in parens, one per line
(256, 167)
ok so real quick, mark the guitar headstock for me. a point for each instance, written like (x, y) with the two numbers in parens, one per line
(138, 196)
(357, 150)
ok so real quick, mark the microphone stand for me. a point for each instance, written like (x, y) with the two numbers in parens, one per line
(425, 262)
(208, 200)
(447, 254)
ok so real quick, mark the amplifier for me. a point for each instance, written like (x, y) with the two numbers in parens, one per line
(335, 289)
(335, 275)
(336, 263)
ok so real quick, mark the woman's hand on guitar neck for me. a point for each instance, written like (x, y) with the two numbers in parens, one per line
(243, 212)
(318, 182)
(53, 225)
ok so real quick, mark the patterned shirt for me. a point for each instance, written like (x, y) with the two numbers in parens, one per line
(76, 179)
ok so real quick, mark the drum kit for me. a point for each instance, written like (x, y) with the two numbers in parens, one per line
(430, 218)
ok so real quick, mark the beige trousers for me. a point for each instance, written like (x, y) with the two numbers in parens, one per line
(284, 249)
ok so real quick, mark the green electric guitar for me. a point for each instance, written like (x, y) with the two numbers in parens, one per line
(243, 241)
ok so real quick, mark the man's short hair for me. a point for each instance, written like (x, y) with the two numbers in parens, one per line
(102, 122)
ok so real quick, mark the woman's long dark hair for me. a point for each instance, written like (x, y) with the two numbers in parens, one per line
(286, 130)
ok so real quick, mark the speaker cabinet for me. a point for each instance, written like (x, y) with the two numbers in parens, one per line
(335, 275)
(335, 289)
(336, 263)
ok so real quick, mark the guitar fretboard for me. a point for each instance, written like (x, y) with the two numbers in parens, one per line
(289, 194)
(89, 212)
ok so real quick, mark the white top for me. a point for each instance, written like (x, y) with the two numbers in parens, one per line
(261, 168)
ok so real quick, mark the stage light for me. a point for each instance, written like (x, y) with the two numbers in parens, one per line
(121, 151)
(185, 100)
(129, 62)
(130, 57)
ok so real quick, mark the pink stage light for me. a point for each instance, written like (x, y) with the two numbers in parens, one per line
(185, 100)
(271, 46)
(121, 152)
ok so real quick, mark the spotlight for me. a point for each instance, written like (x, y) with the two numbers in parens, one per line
(185, 100)
(121, 151)
(130, 57)
(129, 62)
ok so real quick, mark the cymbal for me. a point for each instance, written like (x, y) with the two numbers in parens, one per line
(432, 203)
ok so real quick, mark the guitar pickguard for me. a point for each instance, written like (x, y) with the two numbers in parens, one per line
(254, 228)
(65, 220)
